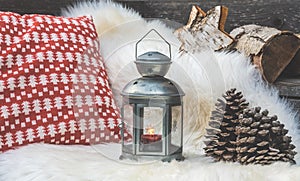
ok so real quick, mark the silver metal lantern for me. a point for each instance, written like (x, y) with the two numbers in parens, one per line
(152, 110)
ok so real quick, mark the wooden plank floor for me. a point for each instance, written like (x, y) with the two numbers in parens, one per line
(289, 88)
(281, 14)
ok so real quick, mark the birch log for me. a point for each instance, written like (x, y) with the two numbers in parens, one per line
(271, 50)
(204, 30)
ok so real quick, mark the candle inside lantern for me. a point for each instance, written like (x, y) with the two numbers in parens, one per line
(150, 136)
(150, 130)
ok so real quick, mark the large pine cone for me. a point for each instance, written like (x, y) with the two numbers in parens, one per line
(262, 139)
(221, 143)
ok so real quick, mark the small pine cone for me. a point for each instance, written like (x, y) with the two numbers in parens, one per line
(221, 135)
(262, 139)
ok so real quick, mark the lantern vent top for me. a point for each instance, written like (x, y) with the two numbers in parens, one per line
(153, 64)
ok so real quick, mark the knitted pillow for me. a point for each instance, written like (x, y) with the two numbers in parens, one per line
(53, 85)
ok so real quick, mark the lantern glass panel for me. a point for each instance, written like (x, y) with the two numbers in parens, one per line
(153, 118)
(152, 125)
(127, 114)
(176, 131)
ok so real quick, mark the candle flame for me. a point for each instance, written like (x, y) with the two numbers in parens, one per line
(150, 130)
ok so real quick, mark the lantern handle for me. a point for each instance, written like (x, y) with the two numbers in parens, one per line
(136, 45)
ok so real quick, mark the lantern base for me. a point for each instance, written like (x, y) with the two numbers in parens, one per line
(169, 158)
(165, 158)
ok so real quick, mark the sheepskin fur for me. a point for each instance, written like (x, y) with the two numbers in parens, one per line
(204, 77)
(38, 162)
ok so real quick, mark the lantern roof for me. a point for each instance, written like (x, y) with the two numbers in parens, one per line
(147, 87)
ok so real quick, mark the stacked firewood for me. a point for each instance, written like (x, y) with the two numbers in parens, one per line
(271, 50)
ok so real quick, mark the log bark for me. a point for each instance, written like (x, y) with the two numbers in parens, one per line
(271, 50)
(204, 30)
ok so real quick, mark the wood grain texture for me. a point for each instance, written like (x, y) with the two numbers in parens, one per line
(281, 14)
(35, 7)
(289, 88)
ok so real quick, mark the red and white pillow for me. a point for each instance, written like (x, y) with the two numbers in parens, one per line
(53, 84)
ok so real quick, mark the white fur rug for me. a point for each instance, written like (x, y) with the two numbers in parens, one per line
(80, 163)
(204, 76)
